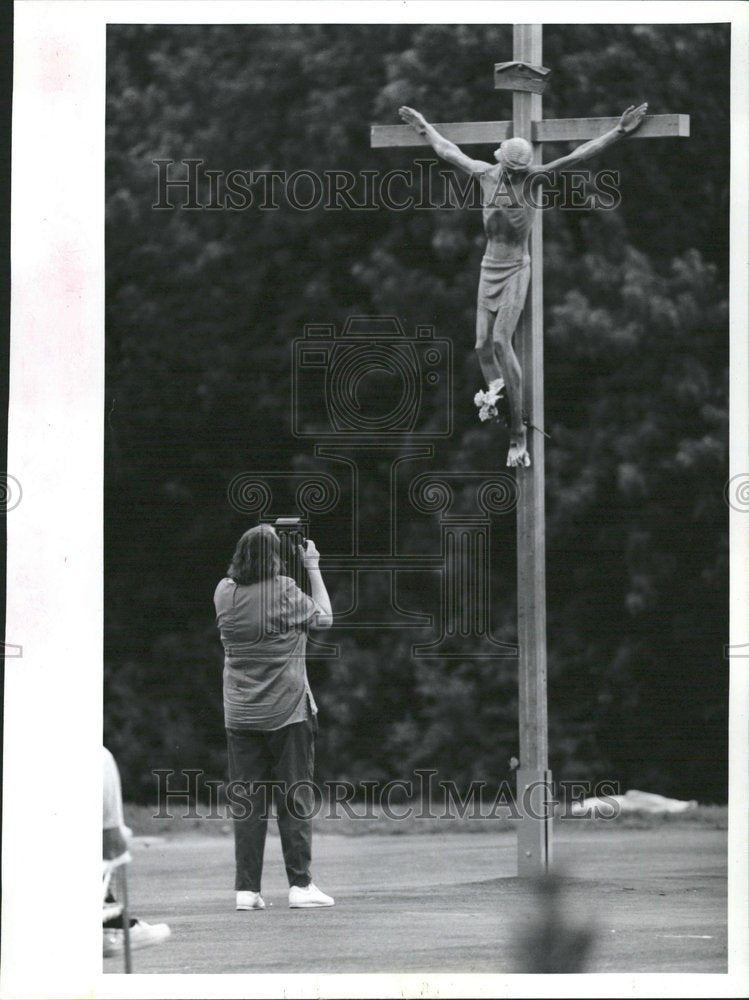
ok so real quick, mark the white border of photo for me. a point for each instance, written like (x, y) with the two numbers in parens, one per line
(53, 695)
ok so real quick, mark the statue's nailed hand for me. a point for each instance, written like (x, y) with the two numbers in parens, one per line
(631, 118)
(413, 118)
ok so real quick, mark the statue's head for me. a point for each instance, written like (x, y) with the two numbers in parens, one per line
(514, 154)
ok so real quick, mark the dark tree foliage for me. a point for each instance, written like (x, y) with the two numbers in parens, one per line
(203, 306)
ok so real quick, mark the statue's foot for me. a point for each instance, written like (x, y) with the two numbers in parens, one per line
(518, 453)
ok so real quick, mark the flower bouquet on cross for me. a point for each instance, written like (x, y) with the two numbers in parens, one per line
(487, 401)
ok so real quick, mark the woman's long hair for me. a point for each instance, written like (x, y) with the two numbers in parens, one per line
(257, 556)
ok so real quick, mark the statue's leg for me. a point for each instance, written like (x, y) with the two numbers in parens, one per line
(504, 327)
(508, 361)
(485, 344)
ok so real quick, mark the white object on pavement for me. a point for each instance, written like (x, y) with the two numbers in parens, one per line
(606, 807)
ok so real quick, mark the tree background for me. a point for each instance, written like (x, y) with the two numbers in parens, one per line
(202, 309)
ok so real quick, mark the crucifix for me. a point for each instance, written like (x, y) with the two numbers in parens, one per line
(513, 263)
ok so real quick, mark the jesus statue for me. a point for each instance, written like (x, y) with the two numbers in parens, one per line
(507, 188)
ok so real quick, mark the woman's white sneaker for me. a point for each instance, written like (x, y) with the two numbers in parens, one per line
(308, 895)
(250, 901)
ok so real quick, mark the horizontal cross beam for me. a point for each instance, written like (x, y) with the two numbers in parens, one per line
(574, 129)
(463, 133)
(549, 130)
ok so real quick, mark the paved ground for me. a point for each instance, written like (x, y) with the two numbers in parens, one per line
(438, 903)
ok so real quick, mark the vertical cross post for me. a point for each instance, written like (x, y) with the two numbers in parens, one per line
(533, 776)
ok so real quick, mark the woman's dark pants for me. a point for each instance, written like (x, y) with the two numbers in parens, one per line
(287, 756)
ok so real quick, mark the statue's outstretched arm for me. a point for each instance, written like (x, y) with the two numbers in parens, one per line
(442, 146)
(628, 122)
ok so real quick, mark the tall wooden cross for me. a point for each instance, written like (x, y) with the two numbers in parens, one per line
(526, 78)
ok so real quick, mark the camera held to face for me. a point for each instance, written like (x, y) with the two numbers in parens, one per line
(291, 534)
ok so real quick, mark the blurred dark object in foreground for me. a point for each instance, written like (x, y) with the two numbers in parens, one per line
(553, 941)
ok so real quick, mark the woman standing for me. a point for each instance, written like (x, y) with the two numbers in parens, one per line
(269, 712)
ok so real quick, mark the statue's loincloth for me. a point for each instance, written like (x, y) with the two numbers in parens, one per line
(502, 288)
